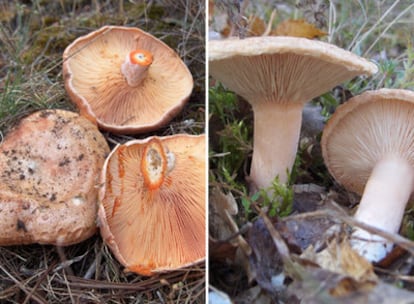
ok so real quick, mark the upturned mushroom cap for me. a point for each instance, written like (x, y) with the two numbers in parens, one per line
(49, 169)
(277, 75)
(282, 69)
(100, 79)
(366, 129)
(152, 211)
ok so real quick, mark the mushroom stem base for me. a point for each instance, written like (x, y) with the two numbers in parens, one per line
(276, 137)
(382, 205)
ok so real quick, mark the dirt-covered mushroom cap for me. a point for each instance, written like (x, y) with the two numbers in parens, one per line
(368, 147)
(125, 79)
(277, 75)
(152, 211)
(49, 172)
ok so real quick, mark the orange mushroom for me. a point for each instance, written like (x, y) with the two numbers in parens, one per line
(152, 203)
(49, 168)
(125, 80)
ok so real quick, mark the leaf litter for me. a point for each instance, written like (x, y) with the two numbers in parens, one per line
(307, 258)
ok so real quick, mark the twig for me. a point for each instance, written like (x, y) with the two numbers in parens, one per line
(39, 281)
(340, 215)
(149, 284)
(65, 264)
(270, 23)
(31, 293)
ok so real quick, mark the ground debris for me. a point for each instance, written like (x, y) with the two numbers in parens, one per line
(333, 273)
(226, 242)
(298, 234)
(224, 230)
(322, 286)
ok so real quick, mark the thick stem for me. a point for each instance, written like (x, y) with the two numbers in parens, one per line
(382, 205)
(275, 141)
(135, 67)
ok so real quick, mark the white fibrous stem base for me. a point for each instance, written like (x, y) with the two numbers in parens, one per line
(382, 206)
(275, 142)
(133, 73)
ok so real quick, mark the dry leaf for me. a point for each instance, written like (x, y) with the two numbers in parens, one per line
(222, 207)
(319, 287)
(221, 223)
(297, 233)
(223, 227)
(256, 26)
(342, 259)
(265, 261)
(297, 28)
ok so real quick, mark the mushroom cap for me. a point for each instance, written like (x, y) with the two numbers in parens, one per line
(94, 82)
(364, 130)
(282, 69)
(154, 220)
(50, 166)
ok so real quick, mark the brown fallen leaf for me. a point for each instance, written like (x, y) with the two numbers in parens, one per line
(320, 286)
(221, 223)
(256, 26)
(265, 261)
(340, 258)
(297, 234)
(226, 240)
(297, 28)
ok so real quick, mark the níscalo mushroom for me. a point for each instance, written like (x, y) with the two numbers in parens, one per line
(277, 75)
(368, 147)
(152, 203)
(125, 79)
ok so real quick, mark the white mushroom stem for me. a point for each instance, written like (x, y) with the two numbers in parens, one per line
(135, 67)
(382, 205)
(275, 141)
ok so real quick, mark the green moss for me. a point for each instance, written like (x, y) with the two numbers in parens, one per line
(48, 41)
(156, 12)
(98, 20)
(50, 20)
(135, 11)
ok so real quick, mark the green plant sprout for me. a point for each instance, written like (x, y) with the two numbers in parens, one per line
(279, 203)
